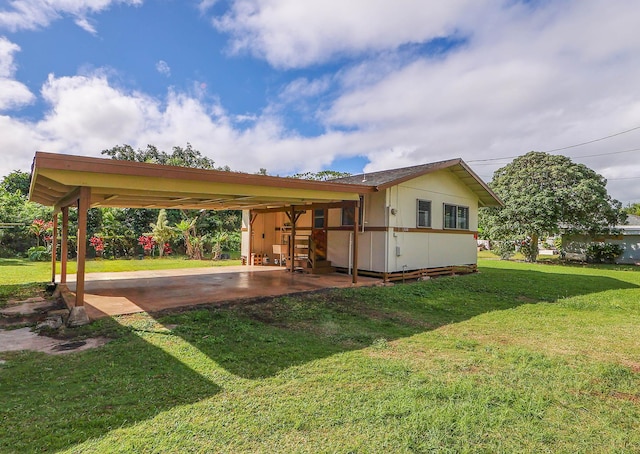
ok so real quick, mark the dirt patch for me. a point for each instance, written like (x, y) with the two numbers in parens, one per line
(25, 339)
(626, 396)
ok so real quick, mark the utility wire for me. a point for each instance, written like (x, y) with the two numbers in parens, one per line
(573, 146)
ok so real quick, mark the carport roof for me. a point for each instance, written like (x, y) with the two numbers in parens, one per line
(56, 178)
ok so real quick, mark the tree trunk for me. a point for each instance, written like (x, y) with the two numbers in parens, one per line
(534, 247)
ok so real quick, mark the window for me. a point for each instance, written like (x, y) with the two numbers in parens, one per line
(424, 213)
(318, 218)
(348, 214)
(456, 217)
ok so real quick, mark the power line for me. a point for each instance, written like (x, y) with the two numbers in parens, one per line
(595, 140)
(573, 146)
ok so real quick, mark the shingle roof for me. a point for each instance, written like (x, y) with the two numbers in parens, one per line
(387, 178)
(632, 219)
(384, 177)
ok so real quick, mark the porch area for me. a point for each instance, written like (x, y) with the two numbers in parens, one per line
(109, 294)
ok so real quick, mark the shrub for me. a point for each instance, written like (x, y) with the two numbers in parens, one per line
(603, 252)
(39, 254)
(505, 249)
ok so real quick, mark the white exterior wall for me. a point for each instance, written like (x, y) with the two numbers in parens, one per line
(380, 248)
(425, 249)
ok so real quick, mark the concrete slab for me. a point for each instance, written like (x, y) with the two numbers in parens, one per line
(108, 294)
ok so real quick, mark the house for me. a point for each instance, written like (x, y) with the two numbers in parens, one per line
(416, 219)
(627, 236)
(409, 222)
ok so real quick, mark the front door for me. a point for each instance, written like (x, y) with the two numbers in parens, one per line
(319, 234)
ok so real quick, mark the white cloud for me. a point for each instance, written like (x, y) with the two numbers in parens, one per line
(535, 75)
(304, 88)
(293, 33)
(163, 68)
(33, 14)
(12, 93)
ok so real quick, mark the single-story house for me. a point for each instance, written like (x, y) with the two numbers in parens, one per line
(627, 236)
(410, 220)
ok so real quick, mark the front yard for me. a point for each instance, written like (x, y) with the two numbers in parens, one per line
(519, 357)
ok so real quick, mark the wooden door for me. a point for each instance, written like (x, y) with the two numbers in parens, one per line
(319, 234)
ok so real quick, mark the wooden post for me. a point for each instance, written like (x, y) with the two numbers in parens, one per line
(54, 247)
(292, 240)
(83, 206)
(249, 263)
(64, 244)
(356, 222)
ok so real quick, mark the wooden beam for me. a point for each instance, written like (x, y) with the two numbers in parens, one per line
(84, 200)
(64, 244)
(292, 240)
(70, 199)
(356, 222)
(54, 247)
(251, 219)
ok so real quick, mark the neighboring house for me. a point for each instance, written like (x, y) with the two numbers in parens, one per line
(627, 236)
(410, 220)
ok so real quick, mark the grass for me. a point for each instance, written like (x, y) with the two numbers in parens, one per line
(21, 271)
(516, 358)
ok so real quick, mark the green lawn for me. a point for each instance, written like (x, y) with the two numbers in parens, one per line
(516, 358)
(20, 271)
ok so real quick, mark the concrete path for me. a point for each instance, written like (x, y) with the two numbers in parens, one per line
(108, 294)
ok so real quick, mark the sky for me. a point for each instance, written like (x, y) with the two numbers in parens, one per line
(294, 86)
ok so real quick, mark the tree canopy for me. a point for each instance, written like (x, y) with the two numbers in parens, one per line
(17, 181)
(323, 175)
(543, 193)
(182, 157)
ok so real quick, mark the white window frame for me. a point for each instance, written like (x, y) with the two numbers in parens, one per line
(418, 211)
(457, 216)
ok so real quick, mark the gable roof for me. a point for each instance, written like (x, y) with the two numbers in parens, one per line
(387, 178)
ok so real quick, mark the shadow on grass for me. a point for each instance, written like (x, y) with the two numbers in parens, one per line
(53, 403)
(15, 262)
(50, 403)
(259, 338)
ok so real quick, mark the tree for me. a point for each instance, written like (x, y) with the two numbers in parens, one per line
(161, 232)
(323, 175)
(182, 157)
(542, 193)
(17, 181)
(633, 208)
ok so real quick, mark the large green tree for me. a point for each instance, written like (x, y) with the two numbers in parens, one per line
(543, 193)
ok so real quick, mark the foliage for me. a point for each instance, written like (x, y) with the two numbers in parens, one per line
(18, 213)
(219, 240)
(542, 193)
(504, 248)
(182, 157)
(161, 232)
(17, 181)
(601, 252)
(633, 208)
(147, 242)
(97, 243)
(323, 175)
(39, 254)
(41, 230)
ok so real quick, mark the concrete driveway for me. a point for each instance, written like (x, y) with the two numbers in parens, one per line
(122, 293)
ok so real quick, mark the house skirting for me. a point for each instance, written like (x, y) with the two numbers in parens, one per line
(417, 274)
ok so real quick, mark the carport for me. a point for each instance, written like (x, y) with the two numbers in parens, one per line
(66, 181)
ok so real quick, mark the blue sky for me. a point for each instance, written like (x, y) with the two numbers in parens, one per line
(293, 86)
